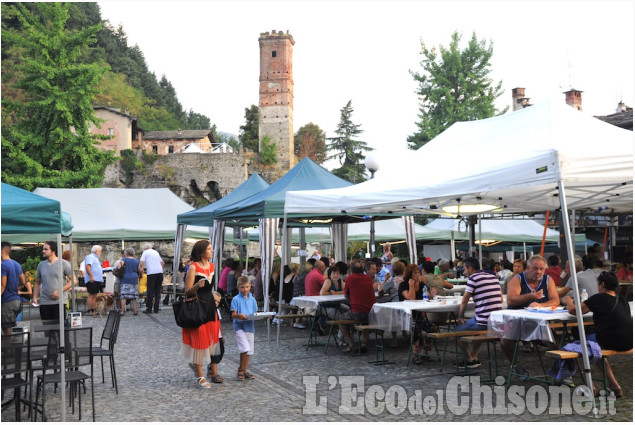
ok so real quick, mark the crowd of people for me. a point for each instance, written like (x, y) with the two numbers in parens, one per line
(364, 281)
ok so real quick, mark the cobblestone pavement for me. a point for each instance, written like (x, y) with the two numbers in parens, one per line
(296, 384)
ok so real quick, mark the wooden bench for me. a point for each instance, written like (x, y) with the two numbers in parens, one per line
(566, 355)
(334, 323)
(379, 342)
(563, 355)
(293, 316)
(447, 336)
(491, 342)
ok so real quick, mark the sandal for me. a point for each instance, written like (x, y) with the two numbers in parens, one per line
(202, 382)
(248, 376)
(240, 375)
(216, 379)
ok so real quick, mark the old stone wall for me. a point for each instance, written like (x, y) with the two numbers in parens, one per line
(198, 179)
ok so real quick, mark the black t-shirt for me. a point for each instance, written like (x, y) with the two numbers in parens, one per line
(614, 328)
(404, 286)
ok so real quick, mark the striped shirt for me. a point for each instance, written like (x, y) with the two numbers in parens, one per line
(486, 293)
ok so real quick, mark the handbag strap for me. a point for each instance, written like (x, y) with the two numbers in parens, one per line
(597, 325)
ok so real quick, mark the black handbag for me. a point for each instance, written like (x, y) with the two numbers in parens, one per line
(190, 313)
(119, 272)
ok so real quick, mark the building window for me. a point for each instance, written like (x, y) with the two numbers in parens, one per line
(111, 131)
(273, 53)
(155, 149)
(170, 149)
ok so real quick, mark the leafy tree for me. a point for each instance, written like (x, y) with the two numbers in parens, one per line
(309, 141)
(454, 86)
(197, 121)
(248, 134)
(49, 143)
(348, 150)
(268, 150)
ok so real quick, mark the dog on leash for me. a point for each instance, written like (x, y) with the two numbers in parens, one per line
(103, 303)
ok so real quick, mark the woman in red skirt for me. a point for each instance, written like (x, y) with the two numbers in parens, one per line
(201, 343)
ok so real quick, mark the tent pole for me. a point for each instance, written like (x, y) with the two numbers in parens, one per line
(525, 251)
(283, 263)
(480, 239)
(573, 229)
(302, 248)
(61, 320)
(576, 293)
(73, 295)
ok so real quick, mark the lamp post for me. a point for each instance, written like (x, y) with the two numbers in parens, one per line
(372, 165)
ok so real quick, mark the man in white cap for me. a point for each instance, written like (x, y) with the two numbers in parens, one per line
(443, 269)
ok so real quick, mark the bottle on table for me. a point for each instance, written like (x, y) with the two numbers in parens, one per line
(425, 293)
(584, 296)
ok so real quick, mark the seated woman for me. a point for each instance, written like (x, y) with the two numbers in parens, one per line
(613, 321)
(333, 285)
(439, 284)
(411, 288)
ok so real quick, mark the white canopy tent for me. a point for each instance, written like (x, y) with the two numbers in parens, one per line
(534, 149)
(123, 214)
(547, 157)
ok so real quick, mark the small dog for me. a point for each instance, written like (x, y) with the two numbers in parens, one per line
(103, 302)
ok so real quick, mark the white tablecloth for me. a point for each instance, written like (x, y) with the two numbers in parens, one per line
(397, 316)
(312, 302)
(527, 325)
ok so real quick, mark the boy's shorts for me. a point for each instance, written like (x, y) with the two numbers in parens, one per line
(245, 342)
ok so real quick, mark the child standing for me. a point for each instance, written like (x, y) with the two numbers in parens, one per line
(212, 369)
(243, 305)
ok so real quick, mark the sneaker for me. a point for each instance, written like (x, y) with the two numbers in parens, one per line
(473, 364)
(469, 364)
(299, 326)
(523, 374)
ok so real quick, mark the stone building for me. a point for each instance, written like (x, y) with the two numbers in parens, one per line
(120, 125)
(276, 94)
(176, 141)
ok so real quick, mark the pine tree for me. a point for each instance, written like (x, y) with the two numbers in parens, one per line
(47, 142)
(454, 86)
(348, 150)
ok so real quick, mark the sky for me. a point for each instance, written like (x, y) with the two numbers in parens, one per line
(364, 51)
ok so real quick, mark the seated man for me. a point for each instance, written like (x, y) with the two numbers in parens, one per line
(587, 279)
(532, 288)
(486, 291)
(361, 295)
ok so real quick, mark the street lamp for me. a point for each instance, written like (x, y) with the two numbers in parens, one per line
(372, 165)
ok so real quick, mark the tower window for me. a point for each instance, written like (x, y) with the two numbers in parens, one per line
(274, 54)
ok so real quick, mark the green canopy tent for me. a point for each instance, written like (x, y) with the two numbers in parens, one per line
(268, 207)
(26, 213)
(206, 216)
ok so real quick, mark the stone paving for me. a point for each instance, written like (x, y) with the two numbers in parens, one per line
(295, 384)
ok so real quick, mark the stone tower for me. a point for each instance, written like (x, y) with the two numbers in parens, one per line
(276, 94)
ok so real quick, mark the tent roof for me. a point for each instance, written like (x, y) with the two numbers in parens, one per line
(25, 212)
(506, 230)
(122, 214)
(205, 216)
(534, 149)
(269, 203)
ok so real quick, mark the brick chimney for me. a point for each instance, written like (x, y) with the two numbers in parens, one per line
(519, 101)
(574, 98)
